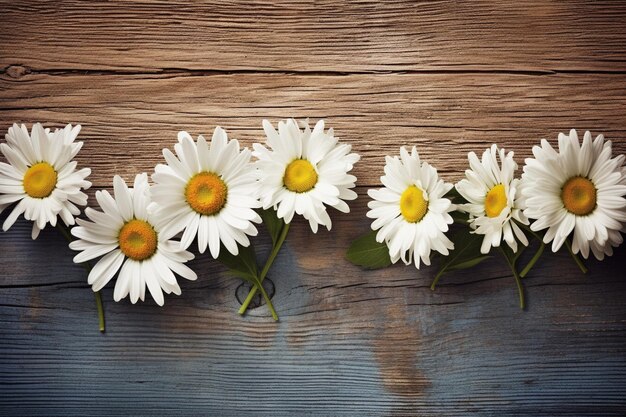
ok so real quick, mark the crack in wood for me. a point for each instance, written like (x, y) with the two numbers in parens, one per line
(17, 71)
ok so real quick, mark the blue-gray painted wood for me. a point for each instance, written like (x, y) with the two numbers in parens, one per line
(349, 342)
(446, 76)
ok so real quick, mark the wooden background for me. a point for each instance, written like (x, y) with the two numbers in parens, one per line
(445, 76)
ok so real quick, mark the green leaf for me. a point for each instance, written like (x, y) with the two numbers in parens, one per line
(466, 248)
(368, 253)
(273, 224)
(244, 276)
(243, 263)
(466, 254)
(467, 264)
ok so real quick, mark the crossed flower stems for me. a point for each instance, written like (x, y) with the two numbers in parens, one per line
(256, 280)
(277, 244)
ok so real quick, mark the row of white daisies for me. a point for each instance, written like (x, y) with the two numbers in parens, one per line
(210, 191)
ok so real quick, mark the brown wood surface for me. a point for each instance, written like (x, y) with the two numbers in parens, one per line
(448, 77)
(303, 36)
(128, 119)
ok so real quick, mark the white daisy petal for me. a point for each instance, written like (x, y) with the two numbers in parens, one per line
(105, 269)
(216, 191)
(136, 280)
(190, 232)
(35, 231)
(177, 222)
(490, 188)
(214, 236)
(578, 192)
(163, 270)
(203, 232)
(94, 251)
(122, 285)
(127, 235)
(149, 275)
(123, 198)
(303, 171)
(140, 197)
(204, 156)
(108, 205)
(402, 211)
(227, 239)
(190, 154)
(181, 269)
(142, 287)
(92, 234)
(41, 176)
(15, 157)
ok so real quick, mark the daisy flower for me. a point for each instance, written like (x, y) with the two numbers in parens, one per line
(579, 190)
(209, 190)
(411, 213)
(129, 235)
(41, 176)
(494, 199)
(304, 171)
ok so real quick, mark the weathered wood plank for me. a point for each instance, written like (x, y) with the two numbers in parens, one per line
(349, 341)
(128, 119)
(307, 36)
(446, 76)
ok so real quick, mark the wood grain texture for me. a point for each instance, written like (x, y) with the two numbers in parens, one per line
(328, 35)
(128, 119)
(349, 342)
(447, 77)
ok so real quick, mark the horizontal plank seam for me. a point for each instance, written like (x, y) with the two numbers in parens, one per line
(18, 70)
(78, 284)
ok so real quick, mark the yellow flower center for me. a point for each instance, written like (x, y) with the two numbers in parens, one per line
(495, 201)
(579, 196)
(206, 193)
(137, 240)
(413, 205)
(40, 180)
(300, 176)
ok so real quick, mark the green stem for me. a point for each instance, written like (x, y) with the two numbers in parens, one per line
(66, 233)
(266, 268)
(520, 289)
(533, 261)
(436, 279)
(537, 255)
(100, 310)
(518, 281)
(268, 301)
(576, 258)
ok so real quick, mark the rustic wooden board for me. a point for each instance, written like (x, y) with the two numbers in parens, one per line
(445, 76)
(128, 119)
(328, 35)
(348, 342)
